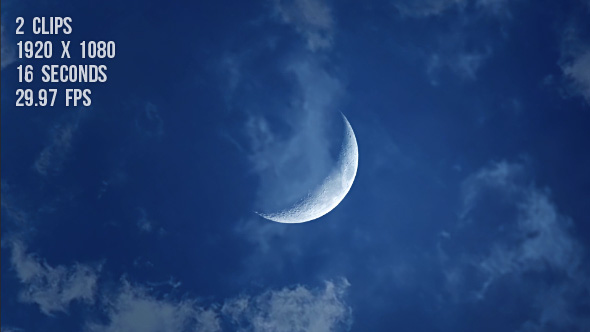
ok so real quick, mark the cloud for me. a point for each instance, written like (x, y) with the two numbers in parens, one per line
(311, 18)
(10, 329)
(290, 162)
(263, 235)
(577, 72)
(149, 122)
(52, 157)
(543, 238)
(467, 64)
(8, 203)
(52, 288)
(148, 225)
(133, 308)
(458, 45)
(292, 310)
(231, 68)
(512, 236)
(144, 223)
(502, 176)
(547, 242)
(424, 8)
(463, 64)
(575, 58)
(495, 7)
(8, 52)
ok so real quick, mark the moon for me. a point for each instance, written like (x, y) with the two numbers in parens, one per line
(330, 192)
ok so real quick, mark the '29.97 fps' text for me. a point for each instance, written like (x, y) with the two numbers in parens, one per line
(31, 50)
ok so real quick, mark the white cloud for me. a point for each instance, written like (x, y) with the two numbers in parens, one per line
(502, 176)
(289, 165)
(133, 309)
(52, 288)
(511, 235)
(10, 329)
(232, 73)
(577, 71)
(263, 234)
(423, 8)
(575, 59)
(292, 310)
(14, 212)
(544, 241)
(8, 52)
(311, 18)
(467, 64)
(458, 46)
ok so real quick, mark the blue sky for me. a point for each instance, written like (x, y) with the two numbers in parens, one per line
(469, 211)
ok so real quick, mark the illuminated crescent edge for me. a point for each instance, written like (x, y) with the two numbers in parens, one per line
(326, 196)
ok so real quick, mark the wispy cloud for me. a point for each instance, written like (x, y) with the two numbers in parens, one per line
(144, 223)
(503, 176)
(133, 308)
(495, 7)
(52, 288)
(459, 46)
(10, 329)
(311, 18)
(8, 52)
(136, 307)
(52, 157)
(423, 8)
(148, 121)
(575, 57)
(577, 72)
(14, 212)
(512, 234)
(426, 8)
(291, 162)
(544, 238)
(467, 64)
(463, 64)
(291, 310)
(286, 141)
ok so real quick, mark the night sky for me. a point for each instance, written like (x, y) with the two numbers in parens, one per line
(469, 210)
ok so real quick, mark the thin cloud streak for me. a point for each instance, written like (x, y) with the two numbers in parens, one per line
(8, 52)
(134, 308)
(312, 19)
(289, 166)
(523, 242)
(53, 156)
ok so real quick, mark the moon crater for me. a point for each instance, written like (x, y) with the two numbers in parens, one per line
(328, 193)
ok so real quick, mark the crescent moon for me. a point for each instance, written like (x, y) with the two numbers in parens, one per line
(330, 192)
